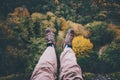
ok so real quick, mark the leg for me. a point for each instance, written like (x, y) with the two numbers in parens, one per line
(46, 68)
(69, 69)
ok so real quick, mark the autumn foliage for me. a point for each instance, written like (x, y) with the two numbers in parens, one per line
(22, 25)
(82, 46)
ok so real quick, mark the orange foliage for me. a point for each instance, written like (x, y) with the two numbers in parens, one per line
(20, 11)
(64, 24)
(115, 28)
(78, 29)
(10, 49)
(7, 29)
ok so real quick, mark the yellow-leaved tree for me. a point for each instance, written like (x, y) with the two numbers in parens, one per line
(82, 46)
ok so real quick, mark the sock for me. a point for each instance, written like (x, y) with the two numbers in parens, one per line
(68, 46)
(50, 44)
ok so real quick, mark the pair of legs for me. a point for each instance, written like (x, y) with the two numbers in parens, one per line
(46, 67)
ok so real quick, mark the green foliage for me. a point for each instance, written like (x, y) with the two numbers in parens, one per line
(101, 16)
(32, 35)
(89, 64)
(75, 10)
(21, 35)
(36, 49)
(112, 55)
(88, 76)
(115, 75)
(100, 34)
(16, 77)
(25, 44)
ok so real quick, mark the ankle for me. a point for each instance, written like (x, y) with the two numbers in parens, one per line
(68, 46)
(50, 44)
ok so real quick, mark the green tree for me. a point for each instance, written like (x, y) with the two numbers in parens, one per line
(89, 64)
(112, 55)
(23, 43)
(100, 34)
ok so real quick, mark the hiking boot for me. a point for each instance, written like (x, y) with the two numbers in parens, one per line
(49, 36)
(69, 38)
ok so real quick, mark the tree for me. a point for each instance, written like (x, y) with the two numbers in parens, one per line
(89, 64)
(100, 34)
(112, 55)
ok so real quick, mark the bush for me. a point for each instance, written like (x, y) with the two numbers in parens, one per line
(112, 55)
(115, 76)
(81, 46)
(89, 64)
(23, 45)
(100, 34)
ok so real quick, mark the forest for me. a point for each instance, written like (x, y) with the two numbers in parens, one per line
(96, 44)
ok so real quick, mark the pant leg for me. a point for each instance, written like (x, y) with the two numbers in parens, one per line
(46, 67)
(69, 69)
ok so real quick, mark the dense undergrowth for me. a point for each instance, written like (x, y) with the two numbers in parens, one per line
(96, 26)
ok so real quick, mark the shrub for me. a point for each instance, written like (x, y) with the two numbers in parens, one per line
(24, 46)
(82, 46)
(112, 55)
(89, 64)
(99, 33)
